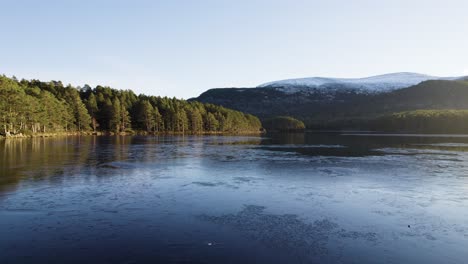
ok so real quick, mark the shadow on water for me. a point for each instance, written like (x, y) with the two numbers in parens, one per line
(360, 145)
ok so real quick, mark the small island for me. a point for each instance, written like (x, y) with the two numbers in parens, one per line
(283, 124)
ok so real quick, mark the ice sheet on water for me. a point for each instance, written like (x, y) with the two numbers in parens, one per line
(461, 145)
(415, 151)
(306, 241)
(302, 146)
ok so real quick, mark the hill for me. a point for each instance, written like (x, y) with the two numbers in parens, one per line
(340, 108)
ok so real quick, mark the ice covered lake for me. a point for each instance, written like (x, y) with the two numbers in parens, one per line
(297, 198)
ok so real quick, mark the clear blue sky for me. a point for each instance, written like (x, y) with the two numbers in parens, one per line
(182, 48)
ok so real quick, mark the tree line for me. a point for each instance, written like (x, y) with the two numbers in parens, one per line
(424, 121)
(283, 124)
(33, 106)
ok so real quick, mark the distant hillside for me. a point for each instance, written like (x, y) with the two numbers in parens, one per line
(340, 108)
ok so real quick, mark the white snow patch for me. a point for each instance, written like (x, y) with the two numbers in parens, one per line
(379, 83)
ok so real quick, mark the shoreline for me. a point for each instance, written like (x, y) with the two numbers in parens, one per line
(136, 133)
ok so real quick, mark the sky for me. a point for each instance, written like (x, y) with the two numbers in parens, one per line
(183, 48)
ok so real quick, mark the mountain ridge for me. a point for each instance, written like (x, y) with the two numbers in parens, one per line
(373, 84)
(320, 108)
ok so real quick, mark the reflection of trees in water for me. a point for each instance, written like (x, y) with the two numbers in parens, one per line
(349, 144)
(289, 138)
(121, 147)
(35, 159)
(41, 158)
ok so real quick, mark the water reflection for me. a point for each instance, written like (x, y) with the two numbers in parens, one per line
(43, 158)
(360, 145)
(298, 198)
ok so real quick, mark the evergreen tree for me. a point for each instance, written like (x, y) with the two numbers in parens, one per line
(124, 118)
(116, 116)
(196, 121)
(158, 123)
(211, 123)
(147, 115)
(92, 106)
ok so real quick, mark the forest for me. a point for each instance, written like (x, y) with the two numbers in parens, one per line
(32, 107)
(283, 124)
(424, 121)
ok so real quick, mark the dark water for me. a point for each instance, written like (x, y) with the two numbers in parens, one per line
(300, 198)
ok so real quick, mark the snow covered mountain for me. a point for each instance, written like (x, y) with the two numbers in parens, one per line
(374, 84)
(343, 103)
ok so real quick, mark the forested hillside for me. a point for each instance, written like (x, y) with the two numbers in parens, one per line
(340, 108)
(32, 106)
(425, 121)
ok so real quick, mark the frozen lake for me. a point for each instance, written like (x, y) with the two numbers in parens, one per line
(296, 198)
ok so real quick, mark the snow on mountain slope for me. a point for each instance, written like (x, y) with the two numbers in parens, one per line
(374, 84)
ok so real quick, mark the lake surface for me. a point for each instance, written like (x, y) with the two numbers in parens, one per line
(298, 198)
